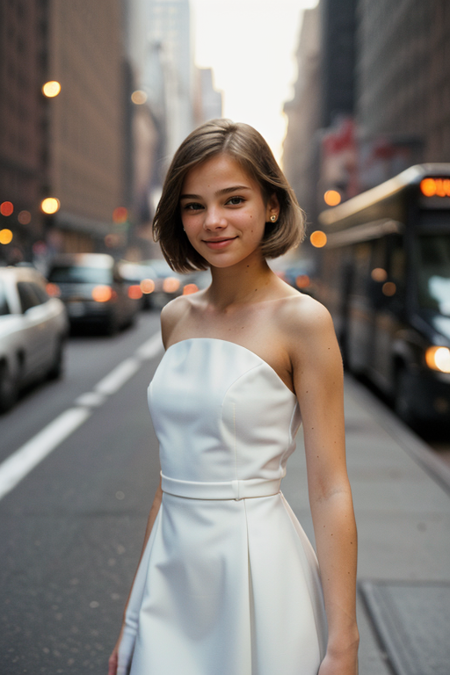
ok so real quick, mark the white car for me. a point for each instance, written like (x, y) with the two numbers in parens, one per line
(33, 331)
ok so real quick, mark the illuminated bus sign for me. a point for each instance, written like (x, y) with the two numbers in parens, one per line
(435, 187)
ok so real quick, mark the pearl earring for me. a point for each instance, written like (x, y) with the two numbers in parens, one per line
(273, 219)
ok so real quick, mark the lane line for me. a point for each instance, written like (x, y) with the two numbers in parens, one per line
(22, 461)
(117, 377)
(151, 348)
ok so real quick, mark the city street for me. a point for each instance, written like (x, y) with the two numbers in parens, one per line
(71, 530)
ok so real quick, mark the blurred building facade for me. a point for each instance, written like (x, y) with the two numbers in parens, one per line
(22, 122)
(372, 96)
(318, 143)
(70, 146)
(86, 125)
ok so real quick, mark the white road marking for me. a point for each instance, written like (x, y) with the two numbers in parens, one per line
(21, 462)
(151, 348)
(90, 399)
(117, 377)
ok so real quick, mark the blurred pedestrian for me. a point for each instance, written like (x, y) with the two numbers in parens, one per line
(228, 583)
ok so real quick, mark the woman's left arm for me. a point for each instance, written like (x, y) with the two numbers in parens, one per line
(318, 381)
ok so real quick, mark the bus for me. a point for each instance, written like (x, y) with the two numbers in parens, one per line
(385, 277)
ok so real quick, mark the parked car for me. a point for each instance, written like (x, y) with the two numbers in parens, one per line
(33, 331)
(143, 276)
(93, 290)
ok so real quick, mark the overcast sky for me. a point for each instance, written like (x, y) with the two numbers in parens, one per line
(250, 44)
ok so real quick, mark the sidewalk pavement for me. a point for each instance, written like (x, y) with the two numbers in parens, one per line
(402, 503)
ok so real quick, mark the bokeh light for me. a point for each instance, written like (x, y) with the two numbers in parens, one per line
(139, 97)
(189, 289)
(51, 89)
(332, 198)
(134, 292)
(120, 214)
(171, 285)
(147, 286)
(102, 293)
(50, 205)
(24, 217)
(6, 208)
(318, 239)
(378, 274)
(389, 289)
(6, 236)
(438, 358)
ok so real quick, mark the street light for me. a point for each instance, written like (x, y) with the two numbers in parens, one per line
(50, 205)
(51, 89)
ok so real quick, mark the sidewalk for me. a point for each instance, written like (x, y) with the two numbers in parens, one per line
(403, 517)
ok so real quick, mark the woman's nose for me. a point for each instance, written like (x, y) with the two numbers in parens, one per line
(214, 219)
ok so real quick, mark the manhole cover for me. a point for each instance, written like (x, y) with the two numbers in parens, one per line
(413, 624)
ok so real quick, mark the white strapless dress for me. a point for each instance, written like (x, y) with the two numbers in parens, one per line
(228, 583)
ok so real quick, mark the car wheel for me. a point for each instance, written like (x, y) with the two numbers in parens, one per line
(9, 387)
(402, 401)
(57, 366)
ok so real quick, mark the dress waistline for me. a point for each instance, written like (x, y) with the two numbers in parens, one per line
(233, 489)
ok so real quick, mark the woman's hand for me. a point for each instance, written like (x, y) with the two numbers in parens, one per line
(113, 660)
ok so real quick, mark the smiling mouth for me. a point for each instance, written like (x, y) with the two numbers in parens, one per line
(219, 243)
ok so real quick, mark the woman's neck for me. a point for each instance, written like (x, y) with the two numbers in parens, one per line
(244, 283)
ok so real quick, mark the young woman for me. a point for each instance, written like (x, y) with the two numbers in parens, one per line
(228, 583)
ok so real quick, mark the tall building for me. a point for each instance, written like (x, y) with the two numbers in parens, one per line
(338, 32)
(86, 120)
(168, 73)
(403, 84)
(303, 113)
(22, 121)
(207, 100)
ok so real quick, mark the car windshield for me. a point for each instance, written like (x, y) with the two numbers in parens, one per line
(80, 275)
(4, 309)
(433, 269)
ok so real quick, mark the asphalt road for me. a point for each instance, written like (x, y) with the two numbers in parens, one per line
(71, 530)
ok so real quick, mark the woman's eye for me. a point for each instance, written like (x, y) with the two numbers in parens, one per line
(194, 206)
(234, 201)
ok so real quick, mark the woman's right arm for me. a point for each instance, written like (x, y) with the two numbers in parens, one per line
(113, 659)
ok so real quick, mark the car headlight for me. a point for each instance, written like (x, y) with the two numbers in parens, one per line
(438, 358)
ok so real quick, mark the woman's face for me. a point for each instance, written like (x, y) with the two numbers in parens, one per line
(223, 211)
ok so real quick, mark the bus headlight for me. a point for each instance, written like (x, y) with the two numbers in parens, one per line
(438, 358)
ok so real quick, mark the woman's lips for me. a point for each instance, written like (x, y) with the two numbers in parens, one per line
(219, 243)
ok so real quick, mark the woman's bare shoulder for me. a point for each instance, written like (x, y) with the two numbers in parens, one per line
(303, 315)
(171, 314)
(177, 310)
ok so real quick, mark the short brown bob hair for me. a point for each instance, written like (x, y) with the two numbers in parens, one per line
(246, 146)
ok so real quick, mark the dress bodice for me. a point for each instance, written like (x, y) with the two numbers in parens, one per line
(221, 413)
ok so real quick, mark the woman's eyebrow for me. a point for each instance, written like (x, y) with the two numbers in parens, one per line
(226, 190)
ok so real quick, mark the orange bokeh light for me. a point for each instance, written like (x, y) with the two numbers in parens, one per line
(303, 281)
(102, 293)
(171, 284)
(332, 198)
(53, 290)
(318, 239)
(135, 292)
(147, 286)
(6, 208)
(435, 187)
(6, 236)
(120, 214)
(189, 289)
(50, 205)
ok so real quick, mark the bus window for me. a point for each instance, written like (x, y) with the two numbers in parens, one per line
(362, 258)
(397, 265)
(433, 272)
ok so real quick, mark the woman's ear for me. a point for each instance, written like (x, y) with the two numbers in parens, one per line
(272, 209)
